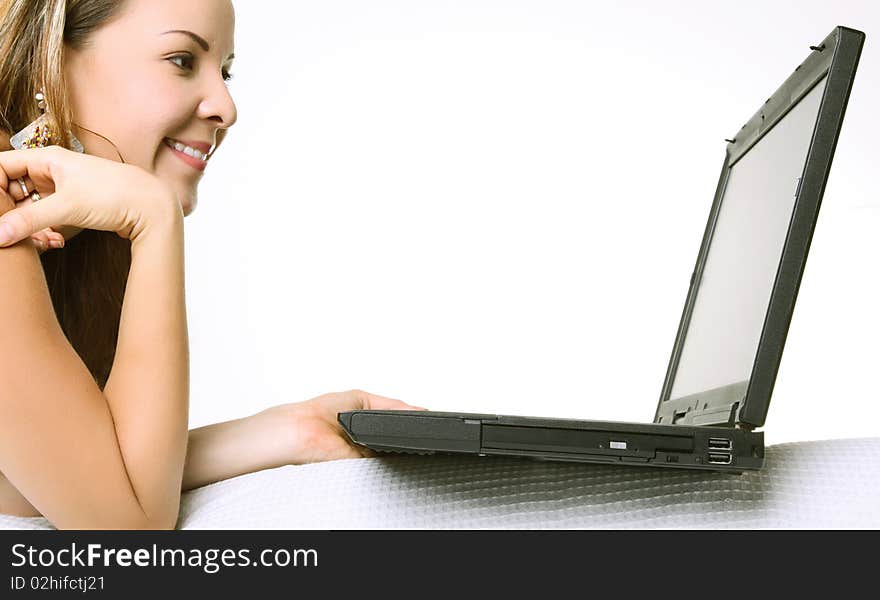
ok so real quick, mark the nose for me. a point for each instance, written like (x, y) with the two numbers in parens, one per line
(217, 105)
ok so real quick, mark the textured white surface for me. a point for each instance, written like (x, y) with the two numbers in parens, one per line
(831, 484)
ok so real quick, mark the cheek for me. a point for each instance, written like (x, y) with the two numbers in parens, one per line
(151, 117)
(134, 114)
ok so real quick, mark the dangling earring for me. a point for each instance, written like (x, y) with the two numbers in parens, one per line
(38, 133)
(122, 160)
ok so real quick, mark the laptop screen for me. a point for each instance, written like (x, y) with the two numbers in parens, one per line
(744, 253)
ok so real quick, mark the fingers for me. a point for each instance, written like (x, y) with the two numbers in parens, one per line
(374, 401)
(31, 218)
(18, 193)
(53, 238)
(47, 238)
(35, 164)
(21, 170)
(367, 453)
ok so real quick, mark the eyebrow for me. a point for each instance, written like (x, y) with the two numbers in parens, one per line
(198, 39)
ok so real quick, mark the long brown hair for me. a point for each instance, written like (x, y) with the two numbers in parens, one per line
(86, 278)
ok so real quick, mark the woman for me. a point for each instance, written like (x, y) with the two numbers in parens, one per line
(132, 104)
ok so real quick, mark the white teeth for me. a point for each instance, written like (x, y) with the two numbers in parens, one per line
(189, 151)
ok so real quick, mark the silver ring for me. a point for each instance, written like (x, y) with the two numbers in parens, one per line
(35, 196)
(23, 185)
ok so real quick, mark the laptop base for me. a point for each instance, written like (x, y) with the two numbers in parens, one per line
(608, 442)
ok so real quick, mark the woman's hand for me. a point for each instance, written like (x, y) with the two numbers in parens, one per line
(79, 191)
(314, 431)
(48, 238)
(45, 238)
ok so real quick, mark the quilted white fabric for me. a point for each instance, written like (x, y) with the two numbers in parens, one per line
(818, 484)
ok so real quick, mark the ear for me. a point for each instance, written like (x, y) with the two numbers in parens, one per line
(4, 141)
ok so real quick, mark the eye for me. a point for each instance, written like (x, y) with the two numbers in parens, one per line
(185, 57)
(188, 64)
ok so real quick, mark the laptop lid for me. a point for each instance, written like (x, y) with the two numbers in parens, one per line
(739, 304)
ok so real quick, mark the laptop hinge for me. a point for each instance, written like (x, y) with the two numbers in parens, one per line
(711, 417)
(719, 407)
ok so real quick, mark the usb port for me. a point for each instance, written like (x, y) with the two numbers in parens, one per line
(717, 458)
(720, 444)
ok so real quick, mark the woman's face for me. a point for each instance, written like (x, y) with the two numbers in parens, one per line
(140, 86)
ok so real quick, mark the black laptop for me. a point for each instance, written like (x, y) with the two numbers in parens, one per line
(735, 319)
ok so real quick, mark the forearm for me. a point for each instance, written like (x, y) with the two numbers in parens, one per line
(223, 450)
(148, 386)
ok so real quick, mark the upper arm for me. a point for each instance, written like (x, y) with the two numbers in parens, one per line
(58, 444)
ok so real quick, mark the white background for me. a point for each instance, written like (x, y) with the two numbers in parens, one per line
(491, 206)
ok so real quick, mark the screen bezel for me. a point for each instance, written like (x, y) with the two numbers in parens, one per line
(837, 58)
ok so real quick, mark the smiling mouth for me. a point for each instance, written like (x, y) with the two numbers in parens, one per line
(190, 156)
(188, 150)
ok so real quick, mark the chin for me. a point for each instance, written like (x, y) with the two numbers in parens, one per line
(188, 200)
(188, 207)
